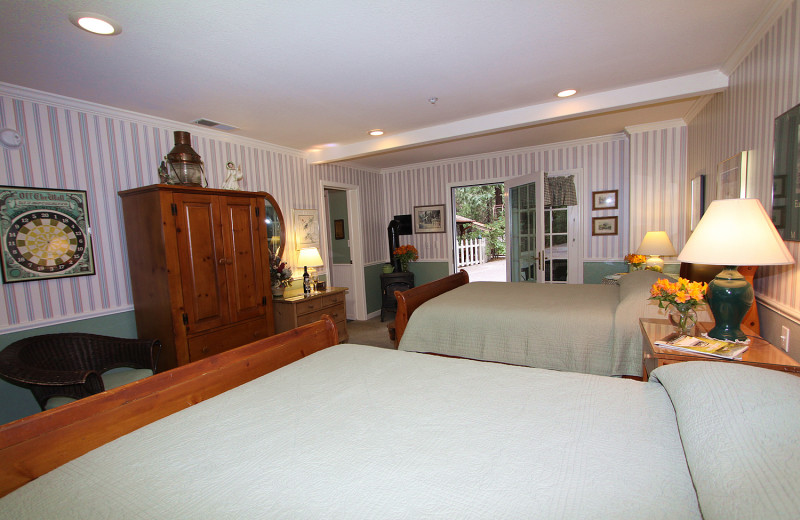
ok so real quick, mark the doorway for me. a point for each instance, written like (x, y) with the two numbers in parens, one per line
(479, 231)
(342, 245)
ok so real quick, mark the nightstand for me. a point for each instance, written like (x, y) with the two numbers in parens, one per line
(760, 353)
(300, 310)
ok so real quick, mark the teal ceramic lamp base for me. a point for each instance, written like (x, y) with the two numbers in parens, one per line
(729, 297)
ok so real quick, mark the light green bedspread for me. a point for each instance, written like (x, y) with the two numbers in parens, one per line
(592, 329)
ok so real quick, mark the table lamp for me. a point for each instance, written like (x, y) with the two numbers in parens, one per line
(309, 257)
(733, 232)
(654, 245)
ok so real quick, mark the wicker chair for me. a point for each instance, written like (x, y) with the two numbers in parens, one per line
(71, 365)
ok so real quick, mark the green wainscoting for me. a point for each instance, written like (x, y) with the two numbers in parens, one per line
(424, 272)
(18, 402)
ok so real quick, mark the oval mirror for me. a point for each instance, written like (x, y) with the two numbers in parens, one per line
(276, 230)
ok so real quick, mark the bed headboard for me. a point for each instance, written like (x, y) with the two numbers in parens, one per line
(34, 445)
(408, 301)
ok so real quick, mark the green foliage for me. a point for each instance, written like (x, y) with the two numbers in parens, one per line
(484, 204)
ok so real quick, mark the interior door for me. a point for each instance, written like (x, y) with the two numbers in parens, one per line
(202, 260)
(242, 259)
(525, 228)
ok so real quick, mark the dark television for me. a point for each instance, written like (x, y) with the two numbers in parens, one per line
(405, 224)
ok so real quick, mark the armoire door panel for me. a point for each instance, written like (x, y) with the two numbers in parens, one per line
(245, 269)
(202, 260)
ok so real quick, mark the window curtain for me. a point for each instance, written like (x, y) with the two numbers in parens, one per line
(560, 191)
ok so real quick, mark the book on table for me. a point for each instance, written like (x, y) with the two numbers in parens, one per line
(703, 346)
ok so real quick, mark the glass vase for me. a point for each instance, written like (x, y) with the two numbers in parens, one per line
(404, 266)
(684, 321)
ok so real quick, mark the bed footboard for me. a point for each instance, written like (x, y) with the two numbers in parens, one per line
(408, 301)
(37, 444)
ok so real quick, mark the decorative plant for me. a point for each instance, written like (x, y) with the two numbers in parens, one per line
(683, 297)
(280, 274)
(683, 294)
(405, 254)
(637, 261)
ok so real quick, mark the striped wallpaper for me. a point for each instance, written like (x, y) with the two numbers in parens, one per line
(75, 145)
(658, 182)
(764, 85)
(654, 176)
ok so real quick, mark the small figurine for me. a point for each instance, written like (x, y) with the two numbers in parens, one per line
(233, 178)
(163, 175)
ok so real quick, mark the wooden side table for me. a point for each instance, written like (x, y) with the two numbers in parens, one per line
(300, 310)
(760, 352)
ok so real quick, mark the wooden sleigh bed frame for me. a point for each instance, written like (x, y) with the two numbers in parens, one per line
(35, 445)
(408, 301)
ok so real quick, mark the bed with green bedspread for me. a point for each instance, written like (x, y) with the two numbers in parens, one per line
(592, 329)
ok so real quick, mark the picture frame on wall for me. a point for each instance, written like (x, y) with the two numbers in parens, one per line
(698, 198)
(45, 234)
(306, 228)
(605, 199)
(429, 219)
(338, 229)
(604, 226)
(732, 177)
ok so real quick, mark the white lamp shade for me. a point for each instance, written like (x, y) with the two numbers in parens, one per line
(736, 232)
(309, 257)
(656, 243)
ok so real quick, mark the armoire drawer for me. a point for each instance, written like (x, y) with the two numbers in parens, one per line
(226, 338)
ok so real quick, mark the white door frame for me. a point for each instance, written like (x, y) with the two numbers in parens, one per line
(356, 241)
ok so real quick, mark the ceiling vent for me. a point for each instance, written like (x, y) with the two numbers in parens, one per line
(214, 124)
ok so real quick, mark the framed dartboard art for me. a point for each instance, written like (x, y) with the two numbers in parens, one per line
(45, 234)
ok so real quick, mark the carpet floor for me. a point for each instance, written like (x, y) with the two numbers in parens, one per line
(371, 332)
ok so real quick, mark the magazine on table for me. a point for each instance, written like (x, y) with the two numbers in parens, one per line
(704, 346)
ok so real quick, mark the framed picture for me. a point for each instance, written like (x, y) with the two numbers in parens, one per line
(605, 199)
(45, 233)
(698, 197)
(732, 177)
(306, 228)
(604, 226)
(338, 229)
(429, 219)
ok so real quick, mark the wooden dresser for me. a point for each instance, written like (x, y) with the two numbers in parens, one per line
(199, 269)
(295, 311)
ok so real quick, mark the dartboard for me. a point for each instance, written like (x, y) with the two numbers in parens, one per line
(45, 241)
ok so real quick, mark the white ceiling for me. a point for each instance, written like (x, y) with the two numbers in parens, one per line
(317, 74)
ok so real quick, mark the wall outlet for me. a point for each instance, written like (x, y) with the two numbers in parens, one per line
(785, 338)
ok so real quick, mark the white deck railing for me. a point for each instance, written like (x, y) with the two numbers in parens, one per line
(471, 251)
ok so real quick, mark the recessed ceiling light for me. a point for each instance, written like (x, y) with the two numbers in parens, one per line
(376, 132)
(95, 23)
(567, 93)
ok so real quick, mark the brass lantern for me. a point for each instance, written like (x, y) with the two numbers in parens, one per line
(184, 163)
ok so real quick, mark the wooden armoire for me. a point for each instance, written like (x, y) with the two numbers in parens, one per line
(199, 267)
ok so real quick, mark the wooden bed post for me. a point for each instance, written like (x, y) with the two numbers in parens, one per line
(35, 445)
(408, 301)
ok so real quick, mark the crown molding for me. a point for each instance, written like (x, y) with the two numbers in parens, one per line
(658, 125)
(40, 96)
(757, 31)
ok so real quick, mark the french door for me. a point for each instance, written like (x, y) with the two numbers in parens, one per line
(541, 241)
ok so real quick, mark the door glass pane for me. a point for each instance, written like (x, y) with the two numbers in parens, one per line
(559, 220)
(522, 237)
